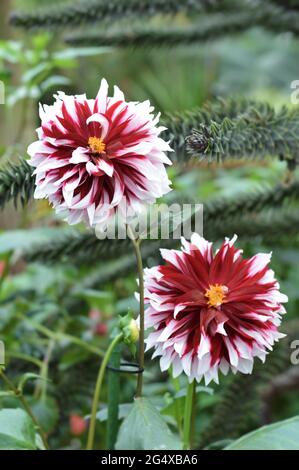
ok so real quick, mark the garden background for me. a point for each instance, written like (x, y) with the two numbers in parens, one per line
(217, 67)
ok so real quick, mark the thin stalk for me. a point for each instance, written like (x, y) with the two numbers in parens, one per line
(18, 393)
(24, 357)
(188, 415)
(113, 398)
(97, 392)
(177, 387)
(41, 387)
(136, 244)
(193, 418)
(59, 335)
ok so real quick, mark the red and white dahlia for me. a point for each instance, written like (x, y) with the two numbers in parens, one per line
(212, 311)
(96, 155)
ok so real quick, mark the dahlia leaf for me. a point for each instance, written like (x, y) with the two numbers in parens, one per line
(16, 430)
(145, 429)
(283, 435)
(46, 412)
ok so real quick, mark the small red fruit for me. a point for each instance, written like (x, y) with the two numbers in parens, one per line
(2, 267)
(101, 329)
(77, 425)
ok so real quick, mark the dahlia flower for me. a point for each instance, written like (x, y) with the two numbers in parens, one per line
(211, 311)
(94, 156)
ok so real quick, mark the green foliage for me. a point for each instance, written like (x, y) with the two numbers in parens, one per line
(16, 430)
(40, 66)
(208, 28)
(16, 183)
(288, 4)
(221, 215)
(255, 134)
(145, 429)
(240, 16)
(283, 435)
(244, 395)
(240, 128)
(82, 12)
(49, 315)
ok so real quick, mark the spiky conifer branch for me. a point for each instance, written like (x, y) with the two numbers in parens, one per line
(83, 12)
(222, 216)
(180, 125)
(209, 28)
(254, 135)
(243, 127)
(268, 226)
(242, 15)
(16, 183)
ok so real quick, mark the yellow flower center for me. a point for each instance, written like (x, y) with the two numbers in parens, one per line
(216, 295)
(96, 145)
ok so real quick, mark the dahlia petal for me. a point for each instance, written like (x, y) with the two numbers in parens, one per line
(177, 367)
(224, 366)
(91, 213)
(203, 245)
(165, 361)
(245, 365)
(204, 364)
(103, 121)
(80, 155)
(259, 262)
(106, 166)
(37, 147)
(118, 94)
(179, 346)
(220, 329)
(92, 169)
(211, 374)
(186, 362)
(101, 98)
(233, 355)
(118, 191)
(204, 346)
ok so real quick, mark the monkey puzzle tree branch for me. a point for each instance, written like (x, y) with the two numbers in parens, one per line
(93, 11)
(16, 183)
(221, 215)
(256, 134)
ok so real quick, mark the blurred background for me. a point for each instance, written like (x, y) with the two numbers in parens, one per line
(34, 65)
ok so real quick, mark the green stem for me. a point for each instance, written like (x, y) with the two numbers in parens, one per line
(97, 392)
(58, 336)
(41, 387)
(178, 417)
(24, 357)
(113, 398)
(136, 244)
(193, 419)
(188, 415)
(18, 393)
